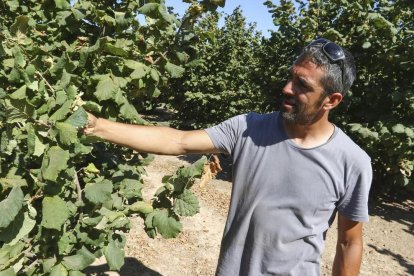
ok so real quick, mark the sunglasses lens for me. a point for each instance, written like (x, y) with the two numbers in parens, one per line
(334, 51)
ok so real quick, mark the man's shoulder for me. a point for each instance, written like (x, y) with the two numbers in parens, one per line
(252, 119)
(351, 148)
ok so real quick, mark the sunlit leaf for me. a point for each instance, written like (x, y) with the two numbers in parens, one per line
(54, 212)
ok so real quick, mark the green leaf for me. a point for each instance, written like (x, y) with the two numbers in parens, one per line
(220, 3)
(131, 188)
(19, 58)
(21, 226)
(138, 74)
(78, 14)
(91, 168)
(31, 138)
(66, 243)
(48, 264)
(182, 56)
(54, 161)
(79, 118)
(140, 69)
(141, 207)
(194, 170)
(120, 18)
(111, 215)
(58, 270)
(149, 219)
(19, 94)
(409, 132)
(82, 259)
(119, 98)
(186, 204)
(129, 112)
(149, 8)
(8, 63)
(9, 253)
(366, 45)
(135, 65)
(154, 75)
(174, 70)
(34, 145)
(62, 112)
(67, 133)
(355, 127)
(398, 128)
(106, 89)
(10, 207)
(166, 225)
(34, 86)
(165, 15)
(18, 110)
(62, 4)
(99, 192)
(13, 182)
(54, 212)
(30, 70)
(8, 272)
(92, 107)
(114, 255)
(114, 50)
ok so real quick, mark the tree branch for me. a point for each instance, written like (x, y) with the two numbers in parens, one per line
(47, 83)
(78, 187)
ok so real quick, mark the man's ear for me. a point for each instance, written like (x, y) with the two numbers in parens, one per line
(332, 101)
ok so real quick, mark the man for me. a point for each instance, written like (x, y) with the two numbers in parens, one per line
(292, 171)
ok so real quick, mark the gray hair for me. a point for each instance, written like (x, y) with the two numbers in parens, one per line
(332, 81)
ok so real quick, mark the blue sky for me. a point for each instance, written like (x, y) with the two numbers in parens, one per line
(253, 10)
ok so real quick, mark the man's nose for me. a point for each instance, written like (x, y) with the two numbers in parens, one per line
(287, 89)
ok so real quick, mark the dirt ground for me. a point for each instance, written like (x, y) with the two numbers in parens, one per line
(388, 237)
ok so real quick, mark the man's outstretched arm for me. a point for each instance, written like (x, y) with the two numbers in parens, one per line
(151, 139)
(349, 247)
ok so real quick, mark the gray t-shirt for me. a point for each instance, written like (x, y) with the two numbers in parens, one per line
(284, 197)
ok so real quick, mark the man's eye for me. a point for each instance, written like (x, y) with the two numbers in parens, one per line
(303, 84)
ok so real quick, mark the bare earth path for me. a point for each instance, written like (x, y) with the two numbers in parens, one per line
(388, 237)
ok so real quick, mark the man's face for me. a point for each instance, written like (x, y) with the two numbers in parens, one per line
(303, 94)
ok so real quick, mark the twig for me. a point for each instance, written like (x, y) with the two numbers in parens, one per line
(36, 262)
(37, 195)
(78, 187)
(47, 83)
(162, 55)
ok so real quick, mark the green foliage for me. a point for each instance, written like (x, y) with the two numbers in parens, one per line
(65, 201)
(219, 84)
(379, 111)
(175, 199)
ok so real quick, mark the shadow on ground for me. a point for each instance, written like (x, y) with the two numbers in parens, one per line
(400, 259)
(398, 208)
(132, 267)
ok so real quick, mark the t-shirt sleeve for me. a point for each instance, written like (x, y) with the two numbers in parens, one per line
(354, 203)
(225, 135)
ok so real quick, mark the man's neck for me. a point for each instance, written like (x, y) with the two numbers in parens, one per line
(310, 135)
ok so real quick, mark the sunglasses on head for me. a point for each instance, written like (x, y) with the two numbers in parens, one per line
(332, 51)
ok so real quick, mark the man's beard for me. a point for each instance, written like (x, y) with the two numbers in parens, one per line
(302, 113)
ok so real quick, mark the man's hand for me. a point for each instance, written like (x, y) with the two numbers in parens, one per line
(90, 126)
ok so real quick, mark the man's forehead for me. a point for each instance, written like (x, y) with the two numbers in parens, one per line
(307, 71)
(306, 67)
